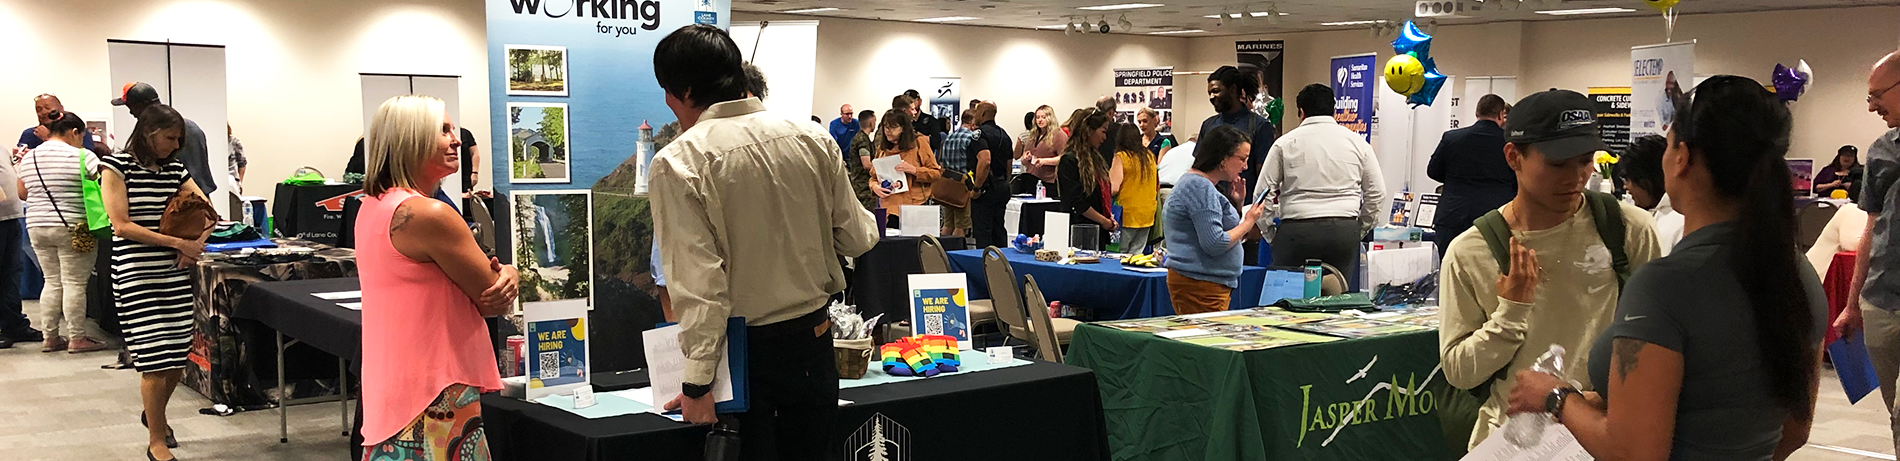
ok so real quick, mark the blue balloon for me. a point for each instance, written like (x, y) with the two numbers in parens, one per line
(1424, 97)
(1416, 43)
(1412, 40)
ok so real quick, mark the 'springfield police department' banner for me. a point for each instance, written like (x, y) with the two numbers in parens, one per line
(1353, 78)
(1150, 87)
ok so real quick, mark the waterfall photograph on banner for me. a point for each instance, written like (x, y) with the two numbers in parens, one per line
(553, 244)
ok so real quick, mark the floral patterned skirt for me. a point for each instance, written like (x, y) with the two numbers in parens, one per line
(449, 430)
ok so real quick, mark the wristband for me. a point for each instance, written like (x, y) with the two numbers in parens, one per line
(695, 391)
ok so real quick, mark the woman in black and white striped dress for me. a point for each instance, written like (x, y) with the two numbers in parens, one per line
(150, 282)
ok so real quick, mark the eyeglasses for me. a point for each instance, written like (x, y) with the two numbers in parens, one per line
(1883, 91)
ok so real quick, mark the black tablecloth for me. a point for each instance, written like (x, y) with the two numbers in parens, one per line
(1040, 411)
(289, 308)
(313, 213)
(1030, 223)
(880, 279)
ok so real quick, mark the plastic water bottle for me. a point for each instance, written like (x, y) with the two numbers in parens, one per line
(1527, 429)
(1313, 270)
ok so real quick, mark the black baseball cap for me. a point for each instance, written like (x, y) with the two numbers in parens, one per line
(136, 93)
(1562, 124)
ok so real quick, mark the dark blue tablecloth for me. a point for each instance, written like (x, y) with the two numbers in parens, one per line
(1112, 293)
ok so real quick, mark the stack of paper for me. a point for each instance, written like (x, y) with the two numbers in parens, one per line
(1355, 328)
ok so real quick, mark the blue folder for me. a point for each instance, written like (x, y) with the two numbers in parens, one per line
(1854, 366)
(736, 359)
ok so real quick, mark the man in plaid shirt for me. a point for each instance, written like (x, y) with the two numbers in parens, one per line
(958, 158)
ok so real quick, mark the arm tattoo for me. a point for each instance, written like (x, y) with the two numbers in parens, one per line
(402, 217)
(1625, 350)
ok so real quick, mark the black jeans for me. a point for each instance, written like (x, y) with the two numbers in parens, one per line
(13, 256)
(986, 217)
(1334, 241)
(794, 392)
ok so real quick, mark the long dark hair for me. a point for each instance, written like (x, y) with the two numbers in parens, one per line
(1088, 159)
(1741, 132)
(906, 141)
(156, 118)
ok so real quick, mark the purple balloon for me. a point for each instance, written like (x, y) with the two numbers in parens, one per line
(1788, 83)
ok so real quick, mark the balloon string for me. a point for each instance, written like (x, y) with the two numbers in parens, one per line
(1669, 25)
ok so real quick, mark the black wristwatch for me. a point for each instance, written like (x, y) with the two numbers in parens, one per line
(1554, 403)
(695, 390)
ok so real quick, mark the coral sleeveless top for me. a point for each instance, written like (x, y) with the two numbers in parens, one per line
(420, 332)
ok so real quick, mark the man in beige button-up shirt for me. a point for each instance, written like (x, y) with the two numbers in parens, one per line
(753, 211)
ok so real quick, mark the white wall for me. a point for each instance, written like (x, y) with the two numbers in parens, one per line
(1841, 44)
(864, 63)
(293, 65)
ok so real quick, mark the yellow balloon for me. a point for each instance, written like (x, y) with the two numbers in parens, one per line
(1404, 74)
(1661, 5)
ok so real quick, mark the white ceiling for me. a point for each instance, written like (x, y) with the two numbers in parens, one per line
(1298, 15)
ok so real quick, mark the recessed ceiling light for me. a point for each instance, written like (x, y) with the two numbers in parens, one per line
(1123, 6)
(1347, 23)
(1257, 14)
(1172, 32)
(1585, 11)
(947, 19)
(810, 10)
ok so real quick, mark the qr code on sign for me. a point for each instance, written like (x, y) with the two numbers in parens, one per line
(550, 365)
(933, 324)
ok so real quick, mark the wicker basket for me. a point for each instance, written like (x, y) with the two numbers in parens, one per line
(853, 357)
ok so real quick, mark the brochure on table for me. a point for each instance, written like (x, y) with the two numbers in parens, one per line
(914, 220)
(940, 305)
(1055, 231)
(666, 367)
(1427, 211)
(557, 334)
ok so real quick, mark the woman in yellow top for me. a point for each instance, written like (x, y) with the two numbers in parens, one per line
(1135, 181)
(919, 167)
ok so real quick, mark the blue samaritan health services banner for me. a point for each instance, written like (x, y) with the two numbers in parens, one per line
(1353, 84)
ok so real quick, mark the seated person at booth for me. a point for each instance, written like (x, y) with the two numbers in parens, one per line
(1564, 281)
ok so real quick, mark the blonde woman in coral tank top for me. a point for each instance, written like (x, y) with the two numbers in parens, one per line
(426, 286)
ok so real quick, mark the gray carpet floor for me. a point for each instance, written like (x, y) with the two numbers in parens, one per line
(61, 406)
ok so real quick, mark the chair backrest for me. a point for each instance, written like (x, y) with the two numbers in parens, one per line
(931, 253)
(1812, 220)
(1043, 329)
(1005, 295)
(1332, 281)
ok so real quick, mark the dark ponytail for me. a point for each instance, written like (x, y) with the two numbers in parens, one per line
(1740, 132)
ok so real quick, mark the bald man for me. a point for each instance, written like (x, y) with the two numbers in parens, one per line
(843, 129)
(1877, 268)
(46, 109)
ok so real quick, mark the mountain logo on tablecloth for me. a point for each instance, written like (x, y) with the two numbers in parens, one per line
(878, 439)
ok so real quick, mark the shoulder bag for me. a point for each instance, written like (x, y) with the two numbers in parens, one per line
(82, 239)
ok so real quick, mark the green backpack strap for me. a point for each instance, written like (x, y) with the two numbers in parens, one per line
(1608, 214)
(1497, 235)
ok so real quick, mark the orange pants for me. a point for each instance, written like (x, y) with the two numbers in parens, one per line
(1192, 296)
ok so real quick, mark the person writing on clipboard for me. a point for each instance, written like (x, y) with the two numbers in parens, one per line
(753, 211)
